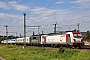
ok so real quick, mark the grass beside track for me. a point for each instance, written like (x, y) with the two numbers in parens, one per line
(10, 52)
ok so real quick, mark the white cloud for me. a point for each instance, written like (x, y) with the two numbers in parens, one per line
(14, 5)
(41, 11)
(12, 20)
(11, 17)
(79, 1)
(47, 17)
(60, 2)
(3, 5)
(19, 7)
(62, 16)
(82, 3)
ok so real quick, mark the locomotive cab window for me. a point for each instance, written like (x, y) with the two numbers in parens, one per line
(77, 35)
(68, 35)
(34, 37)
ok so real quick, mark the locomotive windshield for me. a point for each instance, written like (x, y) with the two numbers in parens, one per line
(77, 35)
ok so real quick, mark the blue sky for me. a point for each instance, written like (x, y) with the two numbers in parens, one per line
(44, 13)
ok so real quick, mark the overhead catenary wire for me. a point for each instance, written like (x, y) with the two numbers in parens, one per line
(84, 22)
(71, 20)
(45, 10)
(49, 6)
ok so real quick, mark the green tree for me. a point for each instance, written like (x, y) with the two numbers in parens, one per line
(88, 35)
(75, 30)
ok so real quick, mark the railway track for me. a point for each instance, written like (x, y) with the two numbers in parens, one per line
(85, 47)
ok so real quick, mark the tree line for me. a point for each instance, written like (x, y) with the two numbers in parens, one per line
(87, 37)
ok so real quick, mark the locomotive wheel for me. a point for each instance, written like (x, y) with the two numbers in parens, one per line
(77, 47)
(73, 47)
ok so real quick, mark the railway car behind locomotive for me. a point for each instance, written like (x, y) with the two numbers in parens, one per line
(35, 40)
(21, 40)
(3, 42)
(11, 41)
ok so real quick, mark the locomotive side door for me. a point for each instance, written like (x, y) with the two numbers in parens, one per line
(68, 38)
